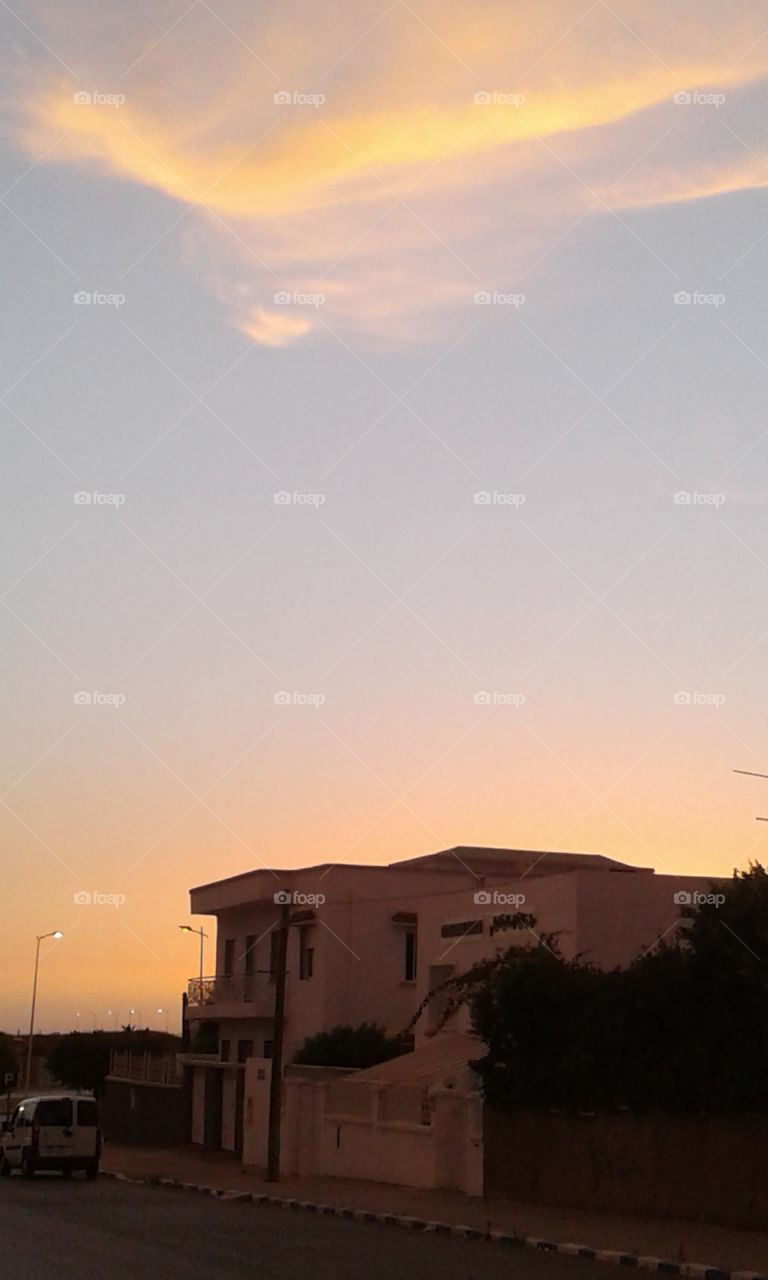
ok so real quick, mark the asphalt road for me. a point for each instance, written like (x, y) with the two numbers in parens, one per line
(110, 1230)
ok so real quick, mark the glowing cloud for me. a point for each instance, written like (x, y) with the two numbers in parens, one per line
(406, 144)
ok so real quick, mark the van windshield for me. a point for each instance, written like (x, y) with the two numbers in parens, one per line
(54, 1111)
(87, 1114)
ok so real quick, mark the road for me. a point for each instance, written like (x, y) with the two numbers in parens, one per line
(109, 1230)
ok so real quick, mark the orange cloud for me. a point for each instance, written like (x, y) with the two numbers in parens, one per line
(317, 175)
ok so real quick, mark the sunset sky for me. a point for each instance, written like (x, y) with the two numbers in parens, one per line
(420, 373)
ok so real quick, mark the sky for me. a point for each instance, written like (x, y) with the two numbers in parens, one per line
(385, 456)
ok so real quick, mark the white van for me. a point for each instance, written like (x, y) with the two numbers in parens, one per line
(55, 1131)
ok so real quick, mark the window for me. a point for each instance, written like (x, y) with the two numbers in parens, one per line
(229, 957)
(225, 1050)
(267, 1049)
(461, 929)
(249, 965)
(306, 952)
(409, 943)
(244, 1050)
(55, 1111)
(87, 1113)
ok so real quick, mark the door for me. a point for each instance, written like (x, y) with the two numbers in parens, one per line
(87, 1129)
(19, 1134)
(53, 1122)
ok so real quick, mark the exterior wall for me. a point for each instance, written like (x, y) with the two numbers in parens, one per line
(406, 1135)
(607, 917)
(147, 1114)
(711, 1168)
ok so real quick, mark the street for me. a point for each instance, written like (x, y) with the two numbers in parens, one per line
(109, 1230)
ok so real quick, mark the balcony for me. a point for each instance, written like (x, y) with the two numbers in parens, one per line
(238, 995)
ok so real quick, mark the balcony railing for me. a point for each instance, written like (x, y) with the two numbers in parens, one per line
(237, 988)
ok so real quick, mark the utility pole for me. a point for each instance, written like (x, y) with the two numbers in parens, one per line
(276, 1079)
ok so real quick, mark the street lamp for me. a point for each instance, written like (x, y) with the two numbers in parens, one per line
(187, 928)
(55, 933)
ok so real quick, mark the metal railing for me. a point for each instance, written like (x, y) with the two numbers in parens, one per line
(227, 988)
(152, 1068)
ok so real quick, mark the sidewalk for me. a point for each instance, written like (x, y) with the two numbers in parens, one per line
(729, 1248)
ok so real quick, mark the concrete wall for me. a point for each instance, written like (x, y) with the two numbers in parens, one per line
(407, 1135)
(710, 1168)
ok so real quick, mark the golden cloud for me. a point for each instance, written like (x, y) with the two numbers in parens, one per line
(318, 181)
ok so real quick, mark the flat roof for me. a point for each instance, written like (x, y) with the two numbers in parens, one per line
(472, 859)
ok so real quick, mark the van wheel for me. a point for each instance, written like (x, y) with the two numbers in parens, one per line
(27, 1163)
(5, 1168)
(92, 1170)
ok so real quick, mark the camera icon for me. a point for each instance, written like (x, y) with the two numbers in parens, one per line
(682, 298)
(282, 898)
(682, 898)
(282, 298)
(682, 698)
(482, 98)
(682, 498)
(282, 98)
(82, 98)
(482, 498)
(683, 98)
(82, 298)
(281, 498)
(482, 298)
(83, 699)
(281, 699)
(482, 699)
(82, 499)
(482, 898)
(82, 898)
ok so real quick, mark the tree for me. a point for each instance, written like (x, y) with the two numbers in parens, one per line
(80, 1060)
(362, 1046)
(683, 1028)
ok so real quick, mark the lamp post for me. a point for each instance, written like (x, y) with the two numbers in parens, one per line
(187, 928)
(55, 933)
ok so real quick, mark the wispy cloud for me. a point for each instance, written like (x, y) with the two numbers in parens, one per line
(396, 163)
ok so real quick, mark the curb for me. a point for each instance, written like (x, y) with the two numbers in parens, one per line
(661, 1266)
